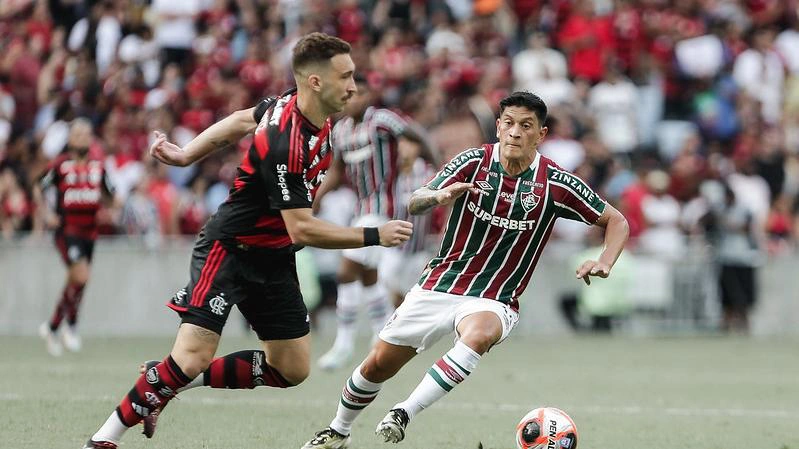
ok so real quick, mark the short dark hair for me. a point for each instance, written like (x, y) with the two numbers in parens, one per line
(527, 100)
(315, 48)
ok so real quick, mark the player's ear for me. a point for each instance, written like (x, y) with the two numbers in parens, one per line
(497, 128)
(315, 81)
(542, 133)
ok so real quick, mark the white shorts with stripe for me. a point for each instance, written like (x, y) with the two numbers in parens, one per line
(425, 316)
(368, 256)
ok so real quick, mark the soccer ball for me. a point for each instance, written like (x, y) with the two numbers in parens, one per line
(546, 428)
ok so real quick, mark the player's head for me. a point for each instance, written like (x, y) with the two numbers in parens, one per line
(520, 126)
(361, 100)
(322, 65)
(80, 136)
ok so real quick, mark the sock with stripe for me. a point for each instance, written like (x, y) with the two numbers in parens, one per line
(239, 370)
(67, 306)
(347, 302)
(377, 306)
(449, 371)
(358, 393)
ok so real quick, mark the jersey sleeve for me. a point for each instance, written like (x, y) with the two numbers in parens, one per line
(50, 177)
(573, 198)
(284, 178)
(262, 107)
(388, 120)
(460, 169)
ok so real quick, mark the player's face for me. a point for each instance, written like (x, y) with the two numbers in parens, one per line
(80, 137)
(338, 85)
(519, 133)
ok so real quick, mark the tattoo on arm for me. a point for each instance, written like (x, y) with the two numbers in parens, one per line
(222, 143)
(422, 201)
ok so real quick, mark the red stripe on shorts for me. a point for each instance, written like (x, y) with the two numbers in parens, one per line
(212, 263)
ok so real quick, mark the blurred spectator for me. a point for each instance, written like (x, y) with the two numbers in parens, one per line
(737, 238)
(759, 72)
(612, 103)
(662, 236)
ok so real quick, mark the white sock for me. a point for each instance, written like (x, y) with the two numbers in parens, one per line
(198, 381)
(349, 298)
(449, 371)
(357, 394)
(112, 430)
(377, 306)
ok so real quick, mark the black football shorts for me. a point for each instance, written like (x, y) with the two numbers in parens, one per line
(262, 284)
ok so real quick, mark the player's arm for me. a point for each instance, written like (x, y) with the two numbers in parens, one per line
(616, 232)
(424, 199)
(220, 135)
(307, 230)
(45, 216)
(332, 181)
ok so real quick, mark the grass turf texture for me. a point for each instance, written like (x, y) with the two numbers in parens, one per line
(692, 393)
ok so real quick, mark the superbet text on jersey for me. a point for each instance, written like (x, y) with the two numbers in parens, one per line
(494, 238)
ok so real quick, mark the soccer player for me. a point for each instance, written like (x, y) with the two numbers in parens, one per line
(505, 198)
(366, 143)
(80, 182)
(400, 266)
(245, 254)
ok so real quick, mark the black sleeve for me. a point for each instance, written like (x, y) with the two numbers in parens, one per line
(49, 178)
(260, 108)
(107, 185)
(286, 188)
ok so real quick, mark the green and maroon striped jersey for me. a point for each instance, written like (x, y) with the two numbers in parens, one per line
(369, 152)
(494, 238)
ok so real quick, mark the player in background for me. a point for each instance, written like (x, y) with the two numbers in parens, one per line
(80, 183)
(505, 198)
(245, 254)
(400, 266)
(366, 141)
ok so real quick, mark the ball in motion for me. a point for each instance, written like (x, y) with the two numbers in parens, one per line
(546, 428)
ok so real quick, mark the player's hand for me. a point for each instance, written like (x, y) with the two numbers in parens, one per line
(592, 268)
(395, 232)
(167, 152)
(450, 193)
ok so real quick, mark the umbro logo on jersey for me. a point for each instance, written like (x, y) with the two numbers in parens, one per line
(484, 185)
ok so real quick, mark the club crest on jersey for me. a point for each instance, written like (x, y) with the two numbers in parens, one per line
(529, 200)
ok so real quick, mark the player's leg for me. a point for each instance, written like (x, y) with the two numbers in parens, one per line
(362, 387)
(480, 324)
(77, 279)
(76, 258)
(376, 299)
(191, 354)
(348, 301)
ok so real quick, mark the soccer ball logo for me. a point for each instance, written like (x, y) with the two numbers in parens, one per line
(546, 428)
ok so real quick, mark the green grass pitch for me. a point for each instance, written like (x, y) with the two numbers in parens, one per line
(685, 393)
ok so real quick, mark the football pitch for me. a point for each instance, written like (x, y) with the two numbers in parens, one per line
(623, 393)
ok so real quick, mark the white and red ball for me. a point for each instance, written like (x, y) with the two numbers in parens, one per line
(546, 428)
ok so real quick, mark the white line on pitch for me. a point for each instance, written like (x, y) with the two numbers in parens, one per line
(455, 406)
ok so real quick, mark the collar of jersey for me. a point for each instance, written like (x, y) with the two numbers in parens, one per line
(530, 169)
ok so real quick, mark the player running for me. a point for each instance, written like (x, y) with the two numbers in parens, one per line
(80, 182)
(366, 143)
(245, 254)
(505, 200)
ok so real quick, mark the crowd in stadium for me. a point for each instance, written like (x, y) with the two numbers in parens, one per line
(662, 105)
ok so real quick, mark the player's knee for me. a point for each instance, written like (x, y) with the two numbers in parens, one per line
(295, 375)
(377, 368)
(480, 340)
(193, 363)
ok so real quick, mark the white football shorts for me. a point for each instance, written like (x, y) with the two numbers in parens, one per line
(368, 256)
(399, 271)
(425, 316)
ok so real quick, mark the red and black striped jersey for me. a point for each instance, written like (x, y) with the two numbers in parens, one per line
(80, 186)
(282, 169)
